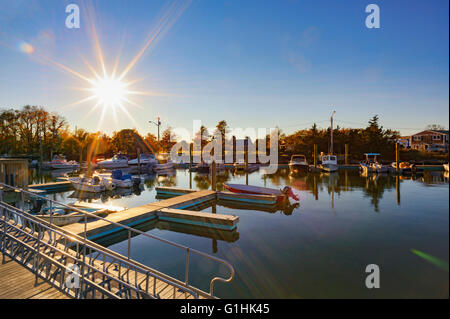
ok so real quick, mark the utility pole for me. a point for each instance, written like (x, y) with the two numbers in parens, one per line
(158, 124)
(331, 145)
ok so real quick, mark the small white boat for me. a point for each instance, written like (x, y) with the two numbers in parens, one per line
(144, 159)
(117, 161)
(61, 216)
(60, 162)
(239, 165)
(95, 184)
(298, 163)
(371, 165)
(329, 163)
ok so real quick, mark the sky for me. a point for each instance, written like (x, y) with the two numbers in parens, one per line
(256, 64)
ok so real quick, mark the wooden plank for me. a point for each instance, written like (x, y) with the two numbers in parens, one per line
(17, 282)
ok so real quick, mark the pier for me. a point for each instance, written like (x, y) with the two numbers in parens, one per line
(172, 209)
(50, 252)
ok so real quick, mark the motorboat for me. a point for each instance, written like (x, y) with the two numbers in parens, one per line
(60, 162)
(205, 167)
(239, 165)
(298, 163)
(329, 163)
(164, 164)
(117, 161)
(371, 165)
(258, 190)
(144, 160)
(95, 184)
(404, 167)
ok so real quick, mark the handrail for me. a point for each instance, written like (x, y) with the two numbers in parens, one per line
(88, 244)
(130, 229)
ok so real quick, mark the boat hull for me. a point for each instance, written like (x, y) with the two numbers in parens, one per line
(256, 190)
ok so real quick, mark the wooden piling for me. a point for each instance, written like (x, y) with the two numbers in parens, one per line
(346, 154)
(397, 158)
(213, 175)
(139, 161)
(315, 155)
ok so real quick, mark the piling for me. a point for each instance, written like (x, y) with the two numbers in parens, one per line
(315, 155)
(139, 160)
(213, 175)
(346, 154)
(397, 158)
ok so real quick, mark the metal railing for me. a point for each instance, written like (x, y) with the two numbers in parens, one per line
(55, 230)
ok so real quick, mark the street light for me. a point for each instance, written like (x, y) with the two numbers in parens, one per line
(158, 124)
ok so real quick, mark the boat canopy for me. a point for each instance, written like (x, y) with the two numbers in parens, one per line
(371, 154)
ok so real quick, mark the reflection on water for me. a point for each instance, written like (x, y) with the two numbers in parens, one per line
(319, 249)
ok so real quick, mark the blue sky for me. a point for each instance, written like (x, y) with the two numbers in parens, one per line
(253, 63)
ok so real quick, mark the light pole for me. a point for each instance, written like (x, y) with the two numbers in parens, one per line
(158, 124)
(331, 145)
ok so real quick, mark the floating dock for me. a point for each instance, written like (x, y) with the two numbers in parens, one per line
(52, 187)
(171, 209)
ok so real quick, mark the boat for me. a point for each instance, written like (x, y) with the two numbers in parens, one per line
(298, 163)
(258, 190)
(239, 165)
(446, 167)
(117, 161)
(205, 167)
(60, 162)
(404, 167)
(144, 160)
(95, 184)
(165, 166)
(371, 165)
(61, 216)
(329, 163)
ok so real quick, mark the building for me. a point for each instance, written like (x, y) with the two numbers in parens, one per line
(430, 140)
(404, 141)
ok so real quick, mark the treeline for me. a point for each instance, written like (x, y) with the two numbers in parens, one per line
(32, 130)
(372, 139)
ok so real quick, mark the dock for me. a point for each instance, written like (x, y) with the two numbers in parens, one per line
(169, 210)
(17, 282)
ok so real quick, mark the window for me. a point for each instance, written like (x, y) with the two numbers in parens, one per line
(417, 138)
(436, 137)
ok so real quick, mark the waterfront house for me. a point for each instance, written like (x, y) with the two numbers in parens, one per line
(430, 140)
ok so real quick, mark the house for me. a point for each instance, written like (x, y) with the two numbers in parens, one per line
(430, 140)
(404, 141)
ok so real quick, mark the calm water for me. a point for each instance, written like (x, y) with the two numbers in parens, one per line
(318, 250)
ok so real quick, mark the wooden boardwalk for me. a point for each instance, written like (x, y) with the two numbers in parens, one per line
(17, 282)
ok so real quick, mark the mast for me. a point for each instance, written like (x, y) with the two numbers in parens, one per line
(331, 145)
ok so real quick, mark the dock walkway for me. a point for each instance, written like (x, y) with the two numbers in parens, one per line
(170, 209)
(17, 282)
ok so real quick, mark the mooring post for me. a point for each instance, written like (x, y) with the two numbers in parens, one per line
(139, 161)
(346, 154)
(213, 175)
(315, 155)
(397, 158)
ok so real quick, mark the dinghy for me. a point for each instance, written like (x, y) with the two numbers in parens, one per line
(257, 190)
(62, 216)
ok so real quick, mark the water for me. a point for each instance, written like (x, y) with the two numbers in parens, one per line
(318, 250)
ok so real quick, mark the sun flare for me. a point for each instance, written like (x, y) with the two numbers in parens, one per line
(109, 91)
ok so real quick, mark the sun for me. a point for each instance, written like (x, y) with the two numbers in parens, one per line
(109, 91)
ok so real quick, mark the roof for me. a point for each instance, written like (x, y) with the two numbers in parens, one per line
(434, 131)
(372, 154)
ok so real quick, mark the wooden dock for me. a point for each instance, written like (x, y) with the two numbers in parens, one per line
(171, 209)
(17, 282)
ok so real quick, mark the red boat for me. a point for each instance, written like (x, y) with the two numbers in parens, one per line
(257, 190)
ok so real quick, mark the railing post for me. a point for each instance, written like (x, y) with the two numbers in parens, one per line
(129, 242)
(187, 267)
